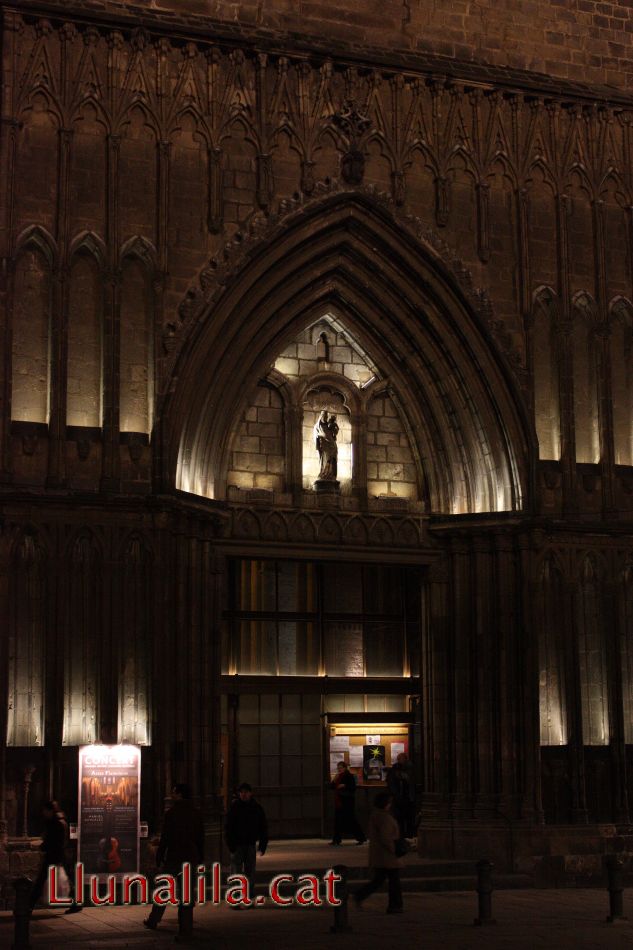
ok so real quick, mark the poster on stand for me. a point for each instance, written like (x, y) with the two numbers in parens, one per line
(374, 763)
(109, 808)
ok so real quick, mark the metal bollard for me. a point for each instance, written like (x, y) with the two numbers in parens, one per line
(22, 913)
(341, 913)
(615, 888)
(484, 893)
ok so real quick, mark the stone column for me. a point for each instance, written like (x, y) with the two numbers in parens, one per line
(59, 566)
(56, 476)
(574, 710)
(485, 677)
(439, 779)
(529, 794)
(463, 632)
(566, 381)
(614, 635)
(163, 584)
(112, 631)
(5, 548)
(110, 458)
(215, 583)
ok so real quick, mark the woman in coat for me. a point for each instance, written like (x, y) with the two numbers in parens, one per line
(383, 834)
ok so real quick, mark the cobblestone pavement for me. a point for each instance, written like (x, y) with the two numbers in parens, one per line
(556, 919)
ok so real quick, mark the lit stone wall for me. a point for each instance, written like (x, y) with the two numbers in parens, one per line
(81, 642)
(257, 459)
(592, 659)
(546, 386)
(27, 633)
(83, 406)
(136, 350)
(625, 611)
(390, 466)
(622, 383)
(301, 358)
(30, 339)
(553, 722)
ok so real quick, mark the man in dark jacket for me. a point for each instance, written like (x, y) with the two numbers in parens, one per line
(182, 842)
(246, 826)
(53, 847)
(345, 820)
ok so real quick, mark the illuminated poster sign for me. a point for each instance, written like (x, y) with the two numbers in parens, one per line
(109, 808)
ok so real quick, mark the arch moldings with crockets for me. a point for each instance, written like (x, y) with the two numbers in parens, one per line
(347, 254)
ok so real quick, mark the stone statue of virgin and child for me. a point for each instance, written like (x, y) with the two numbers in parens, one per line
(325, 433)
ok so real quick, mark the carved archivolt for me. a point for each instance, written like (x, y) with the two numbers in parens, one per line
(261, 230)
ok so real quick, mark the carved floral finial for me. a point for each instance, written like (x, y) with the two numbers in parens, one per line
(353, 125)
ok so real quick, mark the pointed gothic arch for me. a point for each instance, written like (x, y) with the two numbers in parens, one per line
(347, 254)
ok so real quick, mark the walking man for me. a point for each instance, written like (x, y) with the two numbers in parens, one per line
(53, 847)
(383, 834)
(401, 784)
(246, 826)
(182, 842)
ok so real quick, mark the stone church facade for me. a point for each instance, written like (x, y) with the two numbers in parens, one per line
(214, 225)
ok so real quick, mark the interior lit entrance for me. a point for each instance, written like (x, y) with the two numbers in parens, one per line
(317, 656)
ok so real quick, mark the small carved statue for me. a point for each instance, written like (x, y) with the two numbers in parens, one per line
(325, 433)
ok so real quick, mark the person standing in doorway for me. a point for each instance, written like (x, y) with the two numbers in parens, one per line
(345, 821)
(383, 858)
(245, 827)
(182, 842)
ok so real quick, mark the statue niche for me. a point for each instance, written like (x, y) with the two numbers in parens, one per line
(325, 435)
(326, 440)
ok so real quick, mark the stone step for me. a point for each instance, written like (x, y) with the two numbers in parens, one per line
(419, 869)
(412, 883)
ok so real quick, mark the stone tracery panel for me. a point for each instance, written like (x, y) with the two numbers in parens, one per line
(621, 347)
(138, 178)
(27, 636)
(88, 173)
(137, 373)
(81, 646)
(550, 624)
(626, 649)
(586, 420)
(592, 660)
(31, 331)
(85, 336)
(36, 171)
(546, 376)
(135, 654)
